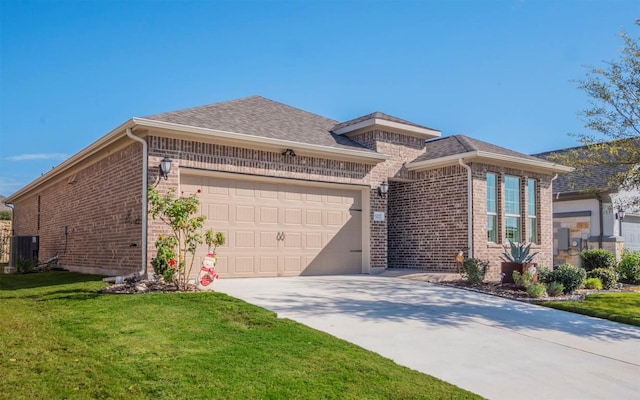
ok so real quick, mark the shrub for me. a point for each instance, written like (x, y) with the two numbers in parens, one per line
(629, 267)
(475, 270)
(571, 277)
(607, 276)
(536, 290)
(555, 289)
(164, 263)
(597, 258)
(544, 274)
(523, 280)
(26, 265)
(593, 283)
(5, 215)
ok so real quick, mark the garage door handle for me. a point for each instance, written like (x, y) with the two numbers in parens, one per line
(355, 251)
(280, 236)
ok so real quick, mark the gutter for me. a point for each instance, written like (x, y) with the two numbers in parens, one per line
(469, 206)
(145, 214)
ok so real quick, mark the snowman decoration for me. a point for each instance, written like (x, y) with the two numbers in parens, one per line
(207, 274)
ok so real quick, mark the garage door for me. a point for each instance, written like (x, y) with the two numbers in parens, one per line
(631, 232)
(278, 228)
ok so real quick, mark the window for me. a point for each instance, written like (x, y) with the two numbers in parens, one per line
(492, 209)
(512, 208)
(532, 215)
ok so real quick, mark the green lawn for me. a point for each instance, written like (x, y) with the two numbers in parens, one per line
(620, 307)
(60, 338)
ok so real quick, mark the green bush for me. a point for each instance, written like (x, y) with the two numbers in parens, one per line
(607, 276)
(597, 258)
(475, 270)
(5, 215)
(536, 290)
(571, 277)
(26, 265)
(555, 289)
(544, 274)
(523, 280)
(593, 283)
(629, 267)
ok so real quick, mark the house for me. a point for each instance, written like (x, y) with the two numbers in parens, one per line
(589, 211)
(294, 192)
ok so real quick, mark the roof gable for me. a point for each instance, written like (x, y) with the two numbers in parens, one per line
(258, 116)
(384, 121)
(448, 150)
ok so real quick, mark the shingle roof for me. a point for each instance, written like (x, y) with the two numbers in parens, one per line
(378, 115)
(585, 179)
(258, 116)
(460, 144)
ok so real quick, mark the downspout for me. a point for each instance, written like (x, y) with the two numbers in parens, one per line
(600, 218)
(145, 173)
(469, 206)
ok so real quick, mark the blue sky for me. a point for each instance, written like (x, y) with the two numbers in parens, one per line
(499, 71)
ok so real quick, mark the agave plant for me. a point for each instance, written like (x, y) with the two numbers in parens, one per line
(518, 253)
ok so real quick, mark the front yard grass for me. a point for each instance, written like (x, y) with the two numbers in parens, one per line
(620, 307)
(61, 338)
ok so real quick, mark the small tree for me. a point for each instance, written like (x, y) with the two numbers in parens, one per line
(613, 121)
(179, 213)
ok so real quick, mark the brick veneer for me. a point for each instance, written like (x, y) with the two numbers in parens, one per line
(101, 207)
(492, 251)
(428, 220)
(426, 212)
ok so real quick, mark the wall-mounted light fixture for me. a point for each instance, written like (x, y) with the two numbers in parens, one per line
(289, 152)
(620, 214)
(383, 189)
(165, 167)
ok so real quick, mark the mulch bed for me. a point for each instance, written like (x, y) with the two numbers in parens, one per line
(511, 291)
(134, 285)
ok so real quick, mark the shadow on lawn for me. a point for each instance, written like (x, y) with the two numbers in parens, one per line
(44, 279)
(385, 300)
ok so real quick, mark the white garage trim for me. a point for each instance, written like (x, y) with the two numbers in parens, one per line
(358, 190)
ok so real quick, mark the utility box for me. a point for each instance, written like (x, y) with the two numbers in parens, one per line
(563, 238)
(25, 247)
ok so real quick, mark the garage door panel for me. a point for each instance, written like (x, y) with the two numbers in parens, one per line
(269, 265)
(245, 213)
(245, 239)
(631, 232)
(244, 264)
(293, 216)
(280, 228)
(268, 215)
(269, 240)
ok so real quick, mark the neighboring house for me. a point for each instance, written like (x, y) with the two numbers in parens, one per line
(295, 193)
(587, 212)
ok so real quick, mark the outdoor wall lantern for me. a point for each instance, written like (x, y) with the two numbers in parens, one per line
(383, 189)
(165, 167)
(620, 214)
(289, 152)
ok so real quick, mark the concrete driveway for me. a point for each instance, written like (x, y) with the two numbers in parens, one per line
(498, 348)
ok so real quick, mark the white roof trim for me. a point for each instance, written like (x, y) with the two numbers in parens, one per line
(73, 160)
(259, 139)
(524, 163)
(412, 129)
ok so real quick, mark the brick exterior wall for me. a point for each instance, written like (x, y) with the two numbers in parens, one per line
(428, 220)
(101, 208)
(401, 149)
(492, 251)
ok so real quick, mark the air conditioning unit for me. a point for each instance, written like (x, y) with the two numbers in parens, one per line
(25, 247)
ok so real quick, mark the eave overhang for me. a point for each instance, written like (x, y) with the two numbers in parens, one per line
(540, 166)
(383, 124)
(196, 133)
